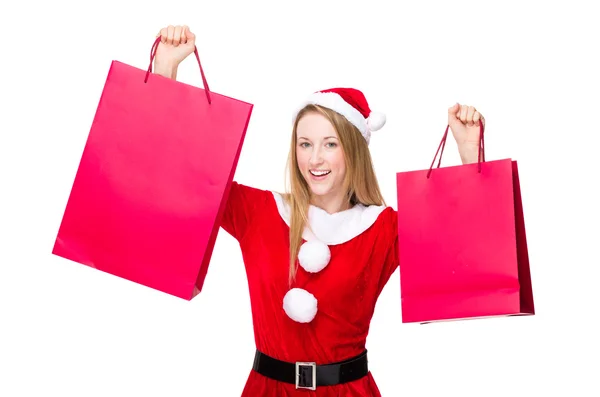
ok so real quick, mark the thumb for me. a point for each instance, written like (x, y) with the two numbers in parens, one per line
(190, 36)
(452, 112)
(453, 109)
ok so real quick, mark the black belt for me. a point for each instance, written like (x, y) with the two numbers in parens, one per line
(308, 375)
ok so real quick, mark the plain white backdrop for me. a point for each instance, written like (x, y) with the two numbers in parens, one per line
(530, 67)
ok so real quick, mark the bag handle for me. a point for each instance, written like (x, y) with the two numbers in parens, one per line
(480, 155)
(153, 54)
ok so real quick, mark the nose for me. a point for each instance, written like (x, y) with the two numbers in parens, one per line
(316, 156)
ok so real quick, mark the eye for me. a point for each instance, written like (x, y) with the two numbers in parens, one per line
(304, 144)
(331, 145)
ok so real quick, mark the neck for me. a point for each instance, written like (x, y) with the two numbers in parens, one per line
(329, 204)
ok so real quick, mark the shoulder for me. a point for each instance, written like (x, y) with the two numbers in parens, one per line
(389, 216)
(248, 193)
(243, 201)
(388, 222)
(243, 207)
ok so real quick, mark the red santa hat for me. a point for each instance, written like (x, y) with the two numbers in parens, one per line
(350, 103)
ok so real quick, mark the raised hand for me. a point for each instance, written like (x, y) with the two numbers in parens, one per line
(464, 123)
(176, 43)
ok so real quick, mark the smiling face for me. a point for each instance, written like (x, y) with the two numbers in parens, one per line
(320, 157)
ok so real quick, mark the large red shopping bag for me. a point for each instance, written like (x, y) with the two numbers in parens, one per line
(149, 194)
(461, 241)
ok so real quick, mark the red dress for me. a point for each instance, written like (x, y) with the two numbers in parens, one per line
(326, 317)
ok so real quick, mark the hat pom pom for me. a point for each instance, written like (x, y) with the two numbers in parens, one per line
(376, 121)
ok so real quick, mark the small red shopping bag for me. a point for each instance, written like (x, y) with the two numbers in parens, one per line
(153, 180)
(461, 241)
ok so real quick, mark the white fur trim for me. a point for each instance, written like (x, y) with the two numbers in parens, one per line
(335, 228)
(334, 101)
(300, 305)
(314, 256)
(376, 121)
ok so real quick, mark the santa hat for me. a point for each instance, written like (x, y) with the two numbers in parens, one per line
(350, 103)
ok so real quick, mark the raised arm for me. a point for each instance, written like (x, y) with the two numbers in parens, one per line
(243, 202)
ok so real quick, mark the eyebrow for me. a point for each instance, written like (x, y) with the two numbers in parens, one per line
(327, 137)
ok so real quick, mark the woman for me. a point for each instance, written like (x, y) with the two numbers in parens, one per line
(318, 257)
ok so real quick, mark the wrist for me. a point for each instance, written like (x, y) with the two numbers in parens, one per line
(469, 153)
(166, 69)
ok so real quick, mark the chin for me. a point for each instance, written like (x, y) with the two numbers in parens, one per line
(323, 189)
(320, 190)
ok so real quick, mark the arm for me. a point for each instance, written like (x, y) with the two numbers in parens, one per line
(468, 154)
(244, 204)
(177, 42)
(169, 71)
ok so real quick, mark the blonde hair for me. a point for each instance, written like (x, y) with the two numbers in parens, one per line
(360, 181)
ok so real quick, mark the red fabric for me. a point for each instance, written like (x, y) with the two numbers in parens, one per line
(353, 97)
(346, 290)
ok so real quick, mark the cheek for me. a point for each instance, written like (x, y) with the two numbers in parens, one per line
(339, 161)
(301, 159)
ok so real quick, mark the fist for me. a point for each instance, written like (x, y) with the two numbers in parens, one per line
(176, 43)
(464, 123)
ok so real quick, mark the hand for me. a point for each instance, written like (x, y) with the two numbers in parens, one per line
(176, 43)
(464, 123)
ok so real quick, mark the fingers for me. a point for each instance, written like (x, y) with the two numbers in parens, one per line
(463, 113)
(470, 113)
(466, 114)
(476, 117)
(166, 34)
(183, 38)
(170, 33)
(163, 35)
(175, 35)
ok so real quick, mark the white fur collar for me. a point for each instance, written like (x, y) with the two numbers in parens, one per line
(335, 228)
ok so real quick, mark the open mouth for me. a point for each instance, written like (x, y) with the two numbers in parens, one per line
(319, 173)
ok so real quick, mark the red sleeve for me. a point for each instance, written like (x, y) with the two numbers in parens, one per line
(242, 205)
(391, 261)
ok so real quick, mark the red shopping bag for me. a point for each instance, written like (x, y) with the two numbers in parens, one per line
(461, 241)
(149, 194)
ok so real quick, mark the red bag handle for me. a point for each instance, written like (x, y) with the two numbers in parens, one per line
(153, 54)
(480, 155)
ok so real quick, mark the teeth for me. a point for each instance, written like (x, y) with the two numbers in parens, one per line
(319, 173)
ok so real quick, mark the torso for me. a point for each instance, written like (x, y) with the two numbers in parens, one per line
(362, 245)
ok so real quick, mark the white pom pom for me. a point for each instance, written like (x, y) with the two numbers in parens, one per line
(314, 256)
(376, 121)
(300, 305)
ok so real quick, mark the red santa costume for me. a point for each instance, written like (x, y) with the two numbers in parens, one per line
(310, 337)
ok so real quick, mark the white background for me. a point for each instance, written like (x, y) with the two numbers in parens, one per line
(530, 67)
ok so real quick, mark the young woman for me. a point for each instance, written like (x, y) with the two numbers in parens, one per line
(318, 257)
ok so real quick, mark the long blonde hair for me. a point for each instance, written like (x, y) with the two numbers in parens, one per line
(360, 182)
